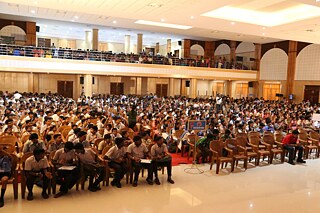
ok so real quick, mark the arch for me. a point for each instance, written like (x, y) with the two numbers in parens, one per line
(245, 47)
(308, 56)
(13, 31)
(196, 50)
(274, 65)
(222, 49)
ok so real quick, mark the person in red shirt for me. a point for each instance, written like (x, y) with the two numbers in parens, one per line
(290, 143)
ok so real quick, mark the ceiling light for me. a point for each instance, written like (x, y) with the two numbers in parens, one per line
(72, 20)
(45, 25)
(192, 17)
(35, 2)
(162, 20)
(114, 22)
(76, 17)
(232, 23)
(70, 28)
(263, 34)
(32, 11)
(264, 28)
(154, 5)
(159, 24)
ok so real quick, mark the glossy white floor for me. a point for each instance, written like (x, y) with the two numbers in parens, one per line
(272, 188)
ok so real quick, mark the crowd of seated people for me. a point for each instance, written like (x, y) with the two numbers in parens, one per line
(143, 57)
(66, 139)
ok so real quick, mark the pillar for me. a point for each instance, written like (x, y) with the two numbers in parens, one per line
(183, 88)
(139, 43)
(209, 49)
(31, 38)
(229, 88)
(95, 39)
(185, 52)
(193, 85)
(233, 46)
(127, 44)
(88, 40)
(157, 48)
(292, 57)
(171, 87)
(138, 86)
(88, 85)
(168, 46)
(257, 56)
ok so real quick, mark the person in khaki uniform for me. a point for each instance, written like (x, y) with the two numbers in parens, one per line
(160, 157)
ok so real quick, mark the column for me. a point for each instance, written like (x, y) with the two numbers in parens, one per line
(127, 44)
(185, 52)
(30, 82)
(171, 87)
(31, 33)
(157, 48)
(138, 86)
(229, 88)
(292, 57)
(257, 56)
(233, 46)
(183, 88)
(88, 40)
(169, 46)
(88, 85)
(209, 49)
(139, 43)
(95, 39)
(193, 90)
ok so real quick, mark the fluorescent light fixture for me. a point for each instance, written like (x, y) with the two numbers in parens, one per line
(160, 24)
(269, 19)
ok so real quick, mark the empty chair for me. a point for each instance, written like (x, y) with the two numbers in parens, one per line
(216, 146)
(274, 148)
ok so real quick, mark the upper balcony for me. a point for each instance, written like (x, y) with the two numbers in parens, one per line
(53, 60)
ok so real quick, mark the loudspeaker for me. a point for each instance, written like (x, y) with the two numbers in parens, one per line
(187, 83)
(279, 95)
(179, 43)
(37, 29)
(92, 80)
(81, 80)
(250, 84)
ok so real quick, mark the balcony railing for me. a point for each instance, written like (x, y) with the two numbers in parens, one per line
(65, 53)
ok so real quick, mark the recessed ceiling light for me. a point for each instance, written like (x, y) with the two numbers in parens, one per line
(264, 28)
(32, 11)
(232, 23)
(160, 24)
(72, 20)
(263, 34)
(114, 22)
(35, 2)
(162, 20)
(192, 17)
(317, 0)
(154, 5)
(76, 17)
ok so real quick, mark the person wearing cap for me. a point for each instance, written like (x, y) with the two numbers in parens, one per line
(67, 178)
(160, 157)
(290, 144)
(36, 168)
(137, 151)
(33, 143)
(117, 160)
(92, 166)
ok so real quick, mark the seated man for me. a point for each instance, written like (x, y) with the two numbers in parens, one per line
(137, 151)
(36, 168)
(33, 143)
(290, 143)
(57, 144)
(91, 166)
(105, 142)
(5, 173)
(82, 135)
(117, 157)
(160, 157)
(68, 178)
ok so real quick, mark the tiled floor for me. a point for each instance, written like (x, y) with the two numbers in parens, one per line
(270, 189)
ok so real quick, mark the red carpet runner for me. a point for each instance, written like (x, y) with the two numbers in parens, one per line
(177, 159)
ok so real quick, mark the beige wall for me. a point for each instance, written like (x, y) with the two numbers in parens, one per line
(14, 82)
(299, 87)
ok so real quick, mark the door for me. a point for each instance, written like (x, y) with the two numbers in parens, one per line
(116, 88)
(65, 88)
(311, 93)
(161, 90)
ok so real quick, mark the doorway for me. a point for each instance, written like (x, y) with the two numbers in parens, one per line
(311, 93)
(116, 88)
(65, 88)
(162, 90)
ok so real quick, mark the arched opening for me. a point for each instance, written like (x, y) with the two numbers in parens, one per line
(222, 56)
(12, 35)
(245, 56)
(196, 51)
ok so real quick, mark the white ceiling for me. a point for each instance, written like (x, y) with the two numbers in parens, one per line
(102, 14)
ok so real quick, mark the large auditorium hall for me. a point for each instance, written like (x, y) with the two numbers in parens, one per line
(149, 106)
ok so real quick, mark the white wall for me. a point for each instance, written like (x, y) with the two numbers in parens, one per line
(274, 65)
(222, 49)
(308, 63)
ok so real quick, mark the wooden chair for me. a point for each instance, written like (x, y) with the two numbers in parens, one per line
(65, 133)
(308, 145)
(242, 145)
(238, 154)
(14, 173)
(216, 147)
(274, 148)
(8, 143)
(178, 134)
(261, 148)
(53, 172)
(96, 142)
(62, 128)
(252, 134)
(22, 141)
(314, 137)
(23, 176)
(109, 170)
